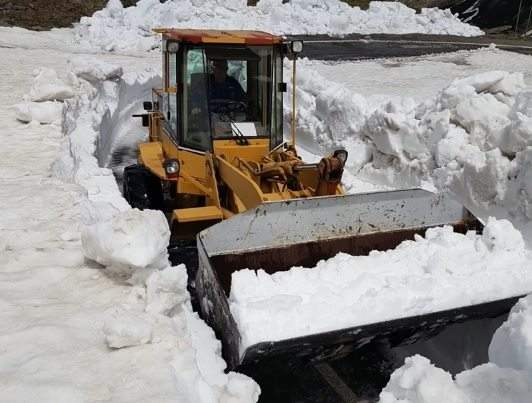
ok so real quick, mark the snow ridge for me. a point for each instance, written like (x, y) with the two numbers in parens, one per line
(131, 244)
(116, 28)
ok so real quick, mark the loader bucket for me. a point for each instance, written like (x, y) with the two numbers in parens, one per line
(279, 235)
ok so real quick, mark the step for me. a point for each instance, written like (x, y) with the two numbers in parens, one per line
(194, 214)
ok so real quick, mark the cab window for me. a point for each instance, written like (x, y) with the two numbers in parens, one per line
(228, 93)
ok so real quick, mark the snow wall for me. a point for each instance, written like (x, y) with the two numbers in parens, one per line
(474, 139)
(131, 245)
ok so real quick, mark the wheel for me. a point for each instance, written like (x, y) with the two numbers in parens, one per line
(141, 188)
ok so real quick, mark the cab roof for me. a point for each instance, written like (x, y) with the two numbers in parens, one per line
(223, 37)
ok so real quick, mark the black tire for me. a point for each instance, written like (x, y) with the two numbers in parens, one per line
(141, 188)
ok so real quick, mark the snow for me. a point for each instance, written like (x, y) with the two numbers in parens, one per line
(74, 330)
(77, 329)
(48, 112)
(470, 138)
(41, 103)
(420, 78)
(506, 378)
(441, 271)
(47, 87)
(95, 71)
(116, 28)
(130, 240)
(126, 330)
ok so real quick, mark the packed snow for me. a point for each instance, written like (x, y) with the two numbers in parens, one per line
(116, 28)
(47, 86)
(75, 329)
(443, 270)
(420, 77)
(46, 112)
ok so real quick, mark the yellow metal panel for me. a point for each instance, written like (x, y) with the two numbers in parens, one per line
(244, 187)
(197, 214)
(240, 208)
(256, 149)
(214, 197)
(193, 165)
(152, 157)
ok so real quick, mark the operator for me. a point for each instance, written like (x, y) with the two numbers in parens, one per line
(222, 86)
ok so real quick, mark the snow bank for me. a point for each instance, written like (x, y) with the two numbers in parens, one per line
(506, 378)
(473, 139)
(442, 271)
(118, 28)
(82, 124)
(133, 243)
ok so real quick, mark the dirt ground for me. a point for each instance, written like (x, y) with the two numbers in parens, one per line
(46, 14)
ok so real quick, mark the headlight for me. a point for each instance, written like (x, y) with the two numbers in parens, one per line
(297, 46)
(171, 167)
(341, 155)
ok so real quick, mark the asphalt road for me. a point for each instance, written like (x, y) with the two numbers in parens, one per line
(360, 47)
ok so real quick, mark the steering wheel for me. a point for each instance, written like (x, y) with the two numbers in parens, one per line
(227, 106)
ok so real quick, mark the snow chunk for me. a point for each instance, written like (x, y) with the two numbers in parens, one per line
(494, 82)
(166, 290)
(502, 236)
(518, 135)
(96, 70)
(126, 329)
(201, 368)
(118, 28)
(419, 381)
(506, 378)
(239, 389)
(48, 87)
(511, 346)
(130, 240)
(43, 112)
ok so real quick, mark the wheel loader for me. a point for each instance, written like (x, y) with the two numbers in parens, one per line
(217, 163)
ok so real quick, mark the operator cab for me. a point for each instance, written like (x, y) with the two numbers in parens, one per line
(221, 85)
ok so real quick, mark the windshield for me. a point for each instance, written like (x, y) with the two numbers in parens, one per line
(229, 92)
